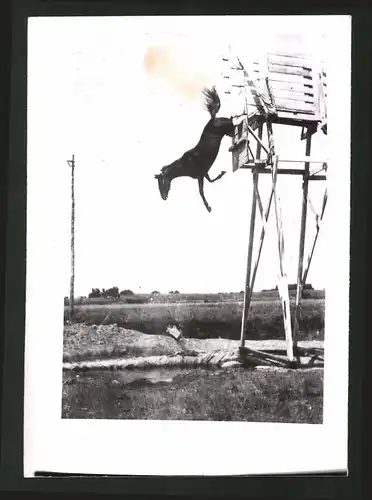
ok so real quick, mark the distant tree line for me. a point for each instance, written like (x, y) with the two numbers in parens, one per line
(129, 297)
(111, 293)
(292, 286)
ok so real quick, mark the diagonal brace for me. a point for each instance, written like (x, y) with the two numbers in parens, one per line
(319, 220)
(264, 219)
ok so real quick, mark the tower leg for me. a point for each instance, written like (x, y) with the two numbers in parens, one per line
(300, 281)
(247, 290)
(282, 278)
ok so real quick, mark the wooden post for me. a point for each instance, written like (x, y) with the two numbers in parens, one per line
(247, 293)
(282, 278)
(72, 280)
(300, 282)
(264, 218)
(247, 290)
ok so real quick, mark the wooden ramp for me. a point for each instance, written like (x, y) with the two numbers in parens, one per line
(306, 358)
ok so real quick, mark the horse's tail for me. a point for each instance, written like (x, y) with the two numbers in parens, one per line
(212, 101)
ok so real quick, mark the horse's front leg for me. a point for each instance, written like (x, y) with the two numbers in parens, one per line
(201, 191)
(216, 179)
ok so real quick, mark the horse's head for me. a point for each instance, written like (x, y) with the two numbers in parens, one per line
(164, 185)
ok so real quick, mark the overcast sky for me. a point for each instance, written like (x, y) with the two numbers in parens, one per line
(89, 93)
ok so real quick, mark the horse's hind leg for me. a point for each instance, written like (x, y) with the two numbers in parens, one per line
(201, 191)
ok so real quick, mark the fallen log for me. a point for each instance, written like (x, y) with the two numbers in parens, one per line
(222, 359)
(218, 359)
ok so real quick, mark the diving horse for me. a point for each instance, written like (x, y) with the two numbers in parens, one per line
(196, 162)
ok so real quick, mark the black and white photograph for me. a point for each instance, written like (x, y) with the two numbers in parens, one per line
(188, 242)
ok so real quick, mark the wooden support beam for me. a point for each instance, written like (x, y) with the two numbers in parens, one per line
(282, 277)
(261, 354)
(270, 137)
(270, 92)
(304, 277)
(300, 283)
(303, 159)
(264, 217)
(295, 119)
(316, 170)
(258, 139)
(286, 171)
(248, 290)
(253, 92)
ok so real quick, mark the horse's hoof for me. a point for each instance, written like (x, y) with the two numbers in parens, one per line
(209, 209)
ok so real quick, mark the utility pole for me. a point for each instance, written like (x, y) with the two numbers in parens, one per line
(71, 163)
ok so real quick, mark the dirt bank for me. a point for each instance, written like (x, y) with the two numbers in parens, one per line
(82, 341)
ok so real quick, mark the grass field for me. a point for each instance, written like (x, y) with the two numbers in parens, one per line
(115, 330)
(198, 394)
(206, 320)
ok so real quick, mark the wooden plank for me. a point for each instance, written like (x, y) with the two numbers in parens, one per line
(317, 96)
(282, 276)
(249, 351)
(264, 219)
(322, 102)
(287, 70)
(240, 156)
(293, 96)
(302, 107)
(293, 55)
(300, 62)
(270, 93)
(293, 99)
(304, 159)
(285, 171)
(238, 144)
(282, 68)
(295, 118)
(253, 92)
(259, 360)
(284, 77)
(304, 88)
(248, 290)
(249, 263)
(300, 283)
(318, 178)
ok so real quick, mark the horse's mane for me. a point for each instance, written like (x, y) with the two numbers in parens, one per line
(212, 101)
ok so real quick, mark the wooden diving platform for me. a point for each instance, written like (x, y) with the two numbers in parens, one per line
(289, 89)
